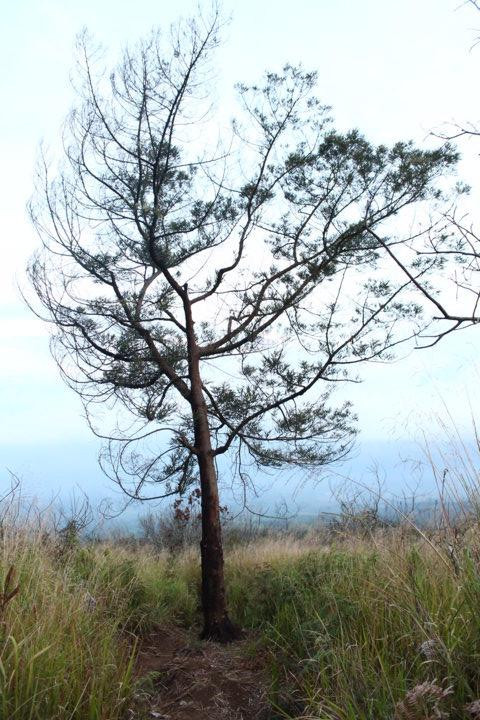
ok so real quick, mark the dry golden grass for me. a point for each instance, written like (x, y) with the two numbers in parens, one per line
(349, 625)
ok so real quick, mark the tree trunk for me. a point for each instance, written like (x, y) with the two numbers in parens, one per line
(217, 624)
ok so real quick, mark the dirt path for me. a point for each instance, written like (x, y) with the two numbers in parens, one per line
(186, 679)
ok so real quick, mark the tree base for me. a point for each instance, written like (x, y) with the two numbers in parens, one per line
(223, 631)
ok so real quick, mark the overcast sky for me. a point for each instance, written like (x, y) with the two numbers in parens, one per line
(396, 70)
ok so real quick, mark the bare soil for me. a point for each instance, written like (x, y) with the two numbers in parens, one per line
(182, 678)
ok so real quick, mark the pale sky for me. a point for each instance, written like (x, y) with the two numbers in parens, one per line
(396, 70)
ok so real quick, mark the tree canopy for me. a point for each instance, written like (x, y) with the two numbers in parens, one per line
(265, 238)
(216, 283)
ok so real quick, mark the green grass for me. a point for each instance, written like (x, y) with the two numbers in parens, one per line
(340, 625)
(60, 658)
(344, 627)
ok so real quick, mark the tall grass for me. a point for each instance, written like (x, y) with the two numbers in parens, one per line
(347, 628)
(363, 622)
(344, 629)
(62, 650)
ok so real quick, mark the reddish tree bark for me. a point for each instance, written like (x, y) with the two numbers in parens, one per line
(217, 624)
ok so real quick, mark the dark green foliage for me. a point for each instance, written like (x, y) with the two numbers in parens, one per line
(276, 243)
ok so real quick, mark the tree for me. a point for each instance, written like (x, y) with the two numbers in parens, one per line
(216, 291)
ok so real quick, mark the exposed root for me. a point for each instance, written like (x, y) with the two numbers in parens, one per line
(223, 632)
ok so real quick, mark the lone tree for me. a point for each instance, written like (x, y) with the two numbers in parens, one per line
(215, 290)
